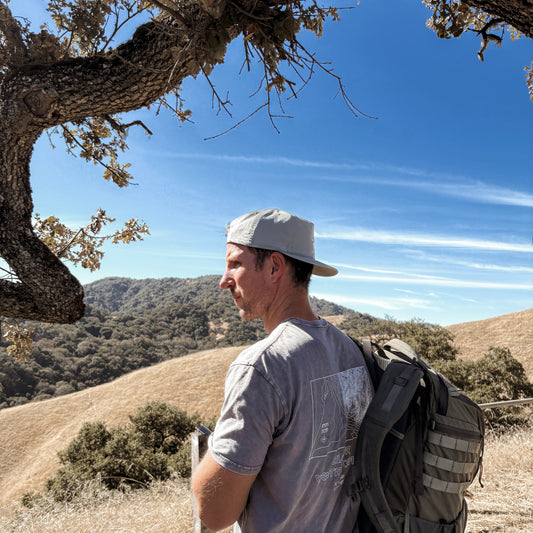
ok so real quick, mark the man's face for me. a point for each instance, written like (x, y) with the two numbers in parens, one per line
(250, 288)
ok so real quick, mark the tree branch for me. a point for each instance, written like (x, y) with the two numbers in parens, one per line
(123, 128)
(14, 46)
(517, 13)
(158, 58)
(46, 92)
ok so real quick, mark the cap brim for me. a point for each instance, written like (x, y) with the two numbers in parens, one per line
(319, 268)
(324, 270)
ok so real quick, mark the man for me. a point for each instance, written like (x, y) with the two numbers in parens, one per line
(280, 457)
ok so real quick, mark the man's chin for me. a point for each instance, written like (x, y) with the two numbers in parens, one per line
(246, 315)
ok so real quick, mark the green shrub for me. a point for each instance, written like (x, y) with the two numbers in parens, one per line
(152, 446)
(161, 427)
(499, 376)
(432, 342)
(495, 377)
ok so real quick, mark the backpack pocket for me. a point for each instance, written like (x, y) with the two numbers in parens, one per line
(415, 524)
(452, 455)
(453, 452)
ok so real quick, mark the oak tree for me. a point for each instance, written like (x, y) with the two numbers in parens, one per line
(75, 80)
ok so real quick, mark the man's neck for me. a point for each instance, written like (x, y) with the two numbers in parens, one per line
(294, 305)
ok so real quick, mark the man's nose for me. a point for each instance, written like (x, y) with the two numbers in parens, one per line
(225, 281)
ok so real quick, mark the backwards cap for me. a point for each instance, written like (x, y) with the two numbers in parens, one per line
(279, 231)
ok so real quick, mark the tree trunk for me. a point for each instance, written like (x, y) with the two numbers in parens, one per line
(37, 96)
(46, 290)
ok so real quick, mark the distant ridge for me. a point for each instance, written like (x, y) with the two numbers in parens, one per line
(127, 295)
(129, 324)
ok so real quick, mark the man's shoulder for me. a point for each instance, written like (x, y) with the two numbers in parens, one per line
(292, 334)
(251, 354)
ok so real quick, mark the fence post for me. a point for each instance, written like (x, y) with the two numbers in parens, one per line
(198, 448)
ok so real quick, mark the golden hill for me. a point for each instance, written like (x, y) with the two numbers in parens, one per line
(32, 434)
(514, 331)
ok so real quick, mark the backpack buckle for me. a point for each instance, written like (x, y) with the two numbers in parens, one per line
(359, 486)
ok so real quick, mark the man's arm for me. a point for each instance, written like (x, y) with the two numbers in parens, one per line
(220, 494)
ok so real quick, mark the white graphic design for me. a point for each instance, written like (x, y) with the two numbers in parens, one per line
(339, 404)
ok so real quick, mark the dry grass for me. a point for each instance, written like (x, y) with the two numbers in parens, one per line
(164, 508)
(514, 331)
(32, 434)
(504, 504)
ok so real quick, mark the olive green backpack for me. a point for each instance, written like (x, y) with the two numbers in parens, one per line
(419, 447)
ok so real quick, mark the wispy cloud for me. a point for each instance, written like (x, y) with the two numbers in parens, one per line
(453, 186)
(477, 192)
(389, 304)
(381, 271)
(411, 239)
(440, 282)
(435, 183)
(407, 291)
(274, 160)
(366, 269)
(422, 256)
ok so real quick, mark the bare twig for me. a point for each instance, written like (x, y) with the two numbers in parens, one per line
(353, 109)
(221, 103)
(122, 128)
(238, 123)
(70, 243)
(117, 26)
(111, 170)
(486, 37)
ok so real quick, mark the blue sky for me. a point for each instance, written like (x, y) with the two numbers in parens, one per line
(427, 210)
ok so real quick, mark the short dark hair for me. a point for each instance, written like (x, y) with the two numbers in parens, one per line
(300, 270)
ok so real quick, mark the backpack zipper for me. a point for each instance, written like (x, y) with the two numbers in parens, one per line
(456, 432)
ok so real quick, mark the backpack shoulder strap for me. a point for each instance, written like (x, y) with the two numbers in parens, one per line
(398, 385)
(365, 346)
(370, 362)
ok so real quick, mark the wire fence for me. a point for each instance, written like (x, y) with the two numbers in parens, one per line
(506, 403)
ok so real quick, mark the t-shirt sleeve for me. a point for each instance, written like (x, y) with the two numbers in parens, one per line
(251, 413)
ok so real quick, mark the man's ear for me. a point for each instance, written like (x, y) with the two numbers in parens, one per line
(278, 265)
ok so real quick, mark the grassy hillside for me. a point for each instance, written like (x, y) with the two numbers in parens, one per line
(32, 434)
(514, 331)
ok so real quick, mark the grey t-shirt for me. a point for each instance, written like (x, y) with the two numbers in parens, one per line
(293, 406)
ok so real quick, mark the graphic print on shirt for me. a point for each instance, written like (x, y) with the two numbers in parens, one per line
(339, 405)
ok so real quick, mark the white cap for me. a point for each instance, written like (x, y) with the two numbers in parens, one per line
(273, 229)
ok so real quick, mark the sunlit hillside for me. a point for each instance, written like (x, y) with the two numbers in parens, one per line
(32, 434)
(514, 331)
